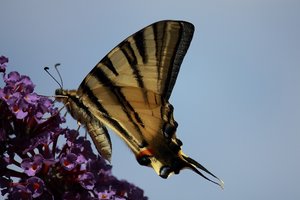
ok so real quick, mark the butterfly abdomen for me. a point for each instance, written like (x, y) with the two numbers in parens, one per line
(81, 113)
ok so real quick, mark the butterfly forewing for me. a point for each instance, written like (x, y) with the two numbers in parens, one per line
(149, 59)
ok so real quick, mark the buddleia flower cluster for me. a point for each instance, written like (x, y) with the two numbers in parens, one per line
(41, 160)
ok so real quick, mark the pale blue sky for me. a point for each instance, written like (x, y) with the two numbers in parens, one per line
(237, 97)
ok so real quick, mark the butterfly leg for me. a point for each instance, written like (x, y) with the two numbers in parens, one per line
(79, 126)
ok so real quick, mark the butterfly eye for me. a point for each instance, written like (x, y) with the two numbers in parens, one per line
(58, 92)
(165, 171)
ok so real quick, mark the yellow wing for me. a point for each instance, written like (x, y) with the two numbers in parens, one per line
(129, 88)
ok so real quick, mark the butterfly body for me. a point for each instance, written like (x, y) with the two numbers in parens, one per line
(95, 128)
(128, 91)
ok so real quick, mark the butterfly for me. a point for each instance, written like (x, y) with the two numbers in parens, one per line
(129, 90)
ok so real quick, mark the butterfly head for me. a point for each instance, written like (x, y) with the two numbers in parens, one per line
(60, 92)
(62, 95)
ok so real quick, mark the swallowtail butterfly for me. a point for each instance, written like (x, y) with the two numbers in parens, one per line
(129, 90)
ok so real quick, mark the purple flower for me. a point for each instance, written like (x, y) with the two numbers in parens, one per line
(32, 167)
(18, 106)
(44, 105)
(35, 185)
(31, 98)
(87, 180)
(71, 136)
(12, 78)
(19, 83)
(3, 61)
(69, 161)
(20, 192)
(57, 162)
(106, 195)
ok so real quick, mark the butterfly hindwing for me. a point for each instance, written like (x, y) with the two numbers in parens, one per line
(84, 116)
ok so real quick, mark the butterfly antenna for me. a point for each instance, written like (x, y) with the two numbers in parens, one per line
(60, 78)
(47, 71)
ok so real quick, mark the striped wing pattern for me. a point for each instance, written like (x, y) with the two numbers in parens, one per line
(129, 91)
(130, 87)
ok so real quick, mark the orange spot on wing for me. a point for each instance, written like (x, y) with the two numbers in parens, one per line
(145, 152)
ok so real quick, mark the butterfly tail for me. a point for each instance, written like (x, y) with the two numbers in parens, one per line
(194, 165)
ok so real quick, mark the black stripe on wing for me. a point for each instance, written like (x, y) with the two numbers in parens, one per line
(185, 34)
(127, 50)
(139, 42)
(107, 62)
(94, 100)
(101, 77)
